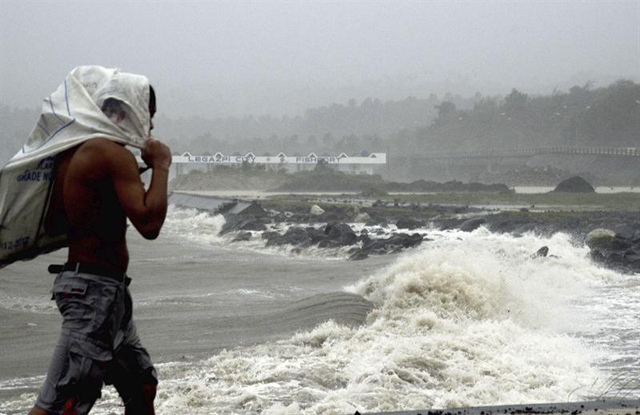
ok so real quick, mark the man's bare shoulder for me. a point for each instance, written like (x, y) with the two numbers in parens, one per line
(104, 151)
(105, 147)
(100, 157)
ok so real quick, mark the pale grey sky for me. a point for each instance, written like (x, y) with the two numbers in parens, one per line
(238, 58)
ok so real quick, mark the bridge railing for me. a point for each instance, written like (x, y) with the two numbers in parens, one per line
(490, 152)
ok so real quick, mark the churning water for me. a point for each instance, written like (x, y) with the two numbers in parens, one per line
(465, 319)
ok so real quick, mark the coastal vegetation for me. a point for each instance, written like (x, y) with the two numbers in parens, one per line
(321, 179)
(629, 202)
(583, 116)
(573, 203)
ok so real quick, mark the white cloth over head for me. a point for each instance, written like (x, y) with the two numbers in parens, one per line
(92, 102)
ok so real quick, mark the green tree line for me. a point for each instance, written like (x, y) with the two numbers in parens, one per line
(582, 116)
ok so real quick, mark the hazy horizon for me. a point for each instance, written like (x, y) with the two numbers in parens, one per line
(233, 59)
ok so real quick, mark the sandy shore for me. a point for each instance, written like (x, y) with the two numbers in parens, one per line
(604, 407)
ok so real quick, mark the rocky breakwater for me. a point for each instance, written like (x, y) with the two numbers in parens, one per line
(252, 218)
(361, 231)
(614, 250)
(324, 228)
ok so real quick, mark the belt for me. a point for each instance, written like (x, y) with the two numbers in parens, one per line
(83, 268)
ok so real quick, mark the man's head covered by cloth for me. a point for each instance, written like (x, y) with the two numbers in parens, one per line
(126, 99)
(92, 102)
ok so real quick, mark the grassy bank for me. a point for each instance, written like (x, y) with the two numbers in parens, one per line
(421, 191)
(565, 201)
(624, 202)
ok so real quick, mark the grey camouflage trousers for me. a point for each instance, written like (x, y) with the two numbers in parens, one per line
(98, 345)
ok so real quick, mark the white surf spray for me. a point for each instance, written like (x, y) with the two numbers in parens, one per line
(200, 227)
(204, 228)
(466, 319)
(469, 319)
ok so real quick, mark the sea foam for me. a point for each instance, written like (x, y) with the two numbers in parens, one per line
(466, 319)
(471, 319)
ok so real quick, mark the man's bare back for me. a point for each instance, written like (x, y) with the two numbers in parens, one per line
(97, 187)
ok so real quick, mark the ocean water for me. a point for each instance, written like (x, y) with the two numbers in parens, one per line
(465, 319)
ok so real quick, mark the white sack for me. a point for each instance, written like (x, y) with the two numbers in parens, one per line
(71, 115)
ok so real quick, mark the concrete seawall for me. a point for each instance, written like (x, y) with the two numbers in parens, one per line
(213, 204)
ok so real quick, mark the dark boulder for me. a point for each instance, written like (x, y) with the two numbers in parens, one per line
(575, 184)
(334, 235)
(472, 224)
(394, 243)
(300, 218)
(269, 234)
(244, 223)
(316, 235)
(254, 209)
(619, 253)
(619, 243)
(358, 255)
(274, 238)
(408, 223)
(296, 236)
(410, 241)
(632, 256)
(340, 234)
(226, 208)
(541, 253)
(242, 237)
(280, 217)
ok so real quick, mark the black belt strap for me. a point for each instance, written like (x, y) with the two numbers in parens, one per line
(90, 269)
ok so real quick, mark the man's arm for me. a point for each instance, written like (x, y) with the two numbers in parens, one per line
(146, 210)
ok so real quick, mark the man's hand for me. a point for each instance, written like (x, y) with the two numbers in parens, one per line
(156, 154)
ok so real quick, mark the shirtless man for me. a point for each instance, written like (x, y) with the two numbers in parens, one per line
(97, 187)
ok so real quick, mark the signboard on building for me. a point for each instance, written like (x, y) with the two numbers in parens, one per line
(281, 158)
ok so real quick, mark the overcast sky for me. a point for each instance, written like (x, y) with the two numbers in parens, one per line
(237, 58)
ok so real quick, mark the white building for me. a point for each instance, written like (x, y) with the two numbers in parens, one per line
(360, 164)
